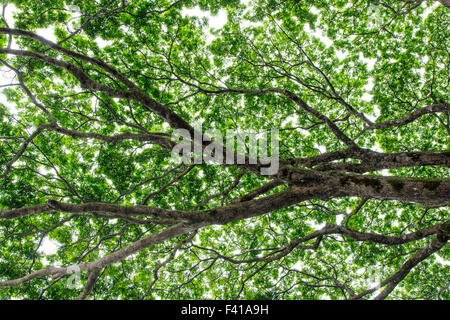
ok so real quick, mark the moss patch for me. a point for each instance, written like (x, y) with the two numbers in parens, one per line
(397, 184)
(368, 181)
(431, 184)
(446, 227)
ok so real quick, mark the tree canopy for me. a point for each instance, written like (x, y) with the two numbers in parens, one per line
(94, 89)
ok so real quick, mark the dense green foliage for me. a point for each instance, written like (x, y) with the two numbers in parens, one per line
(358, 63)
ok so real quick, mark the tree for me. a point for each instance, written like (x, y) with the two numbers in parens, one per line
(358, 91)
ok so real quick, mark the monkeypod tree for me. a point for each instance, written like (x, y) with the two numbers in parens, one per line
(94, 204)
